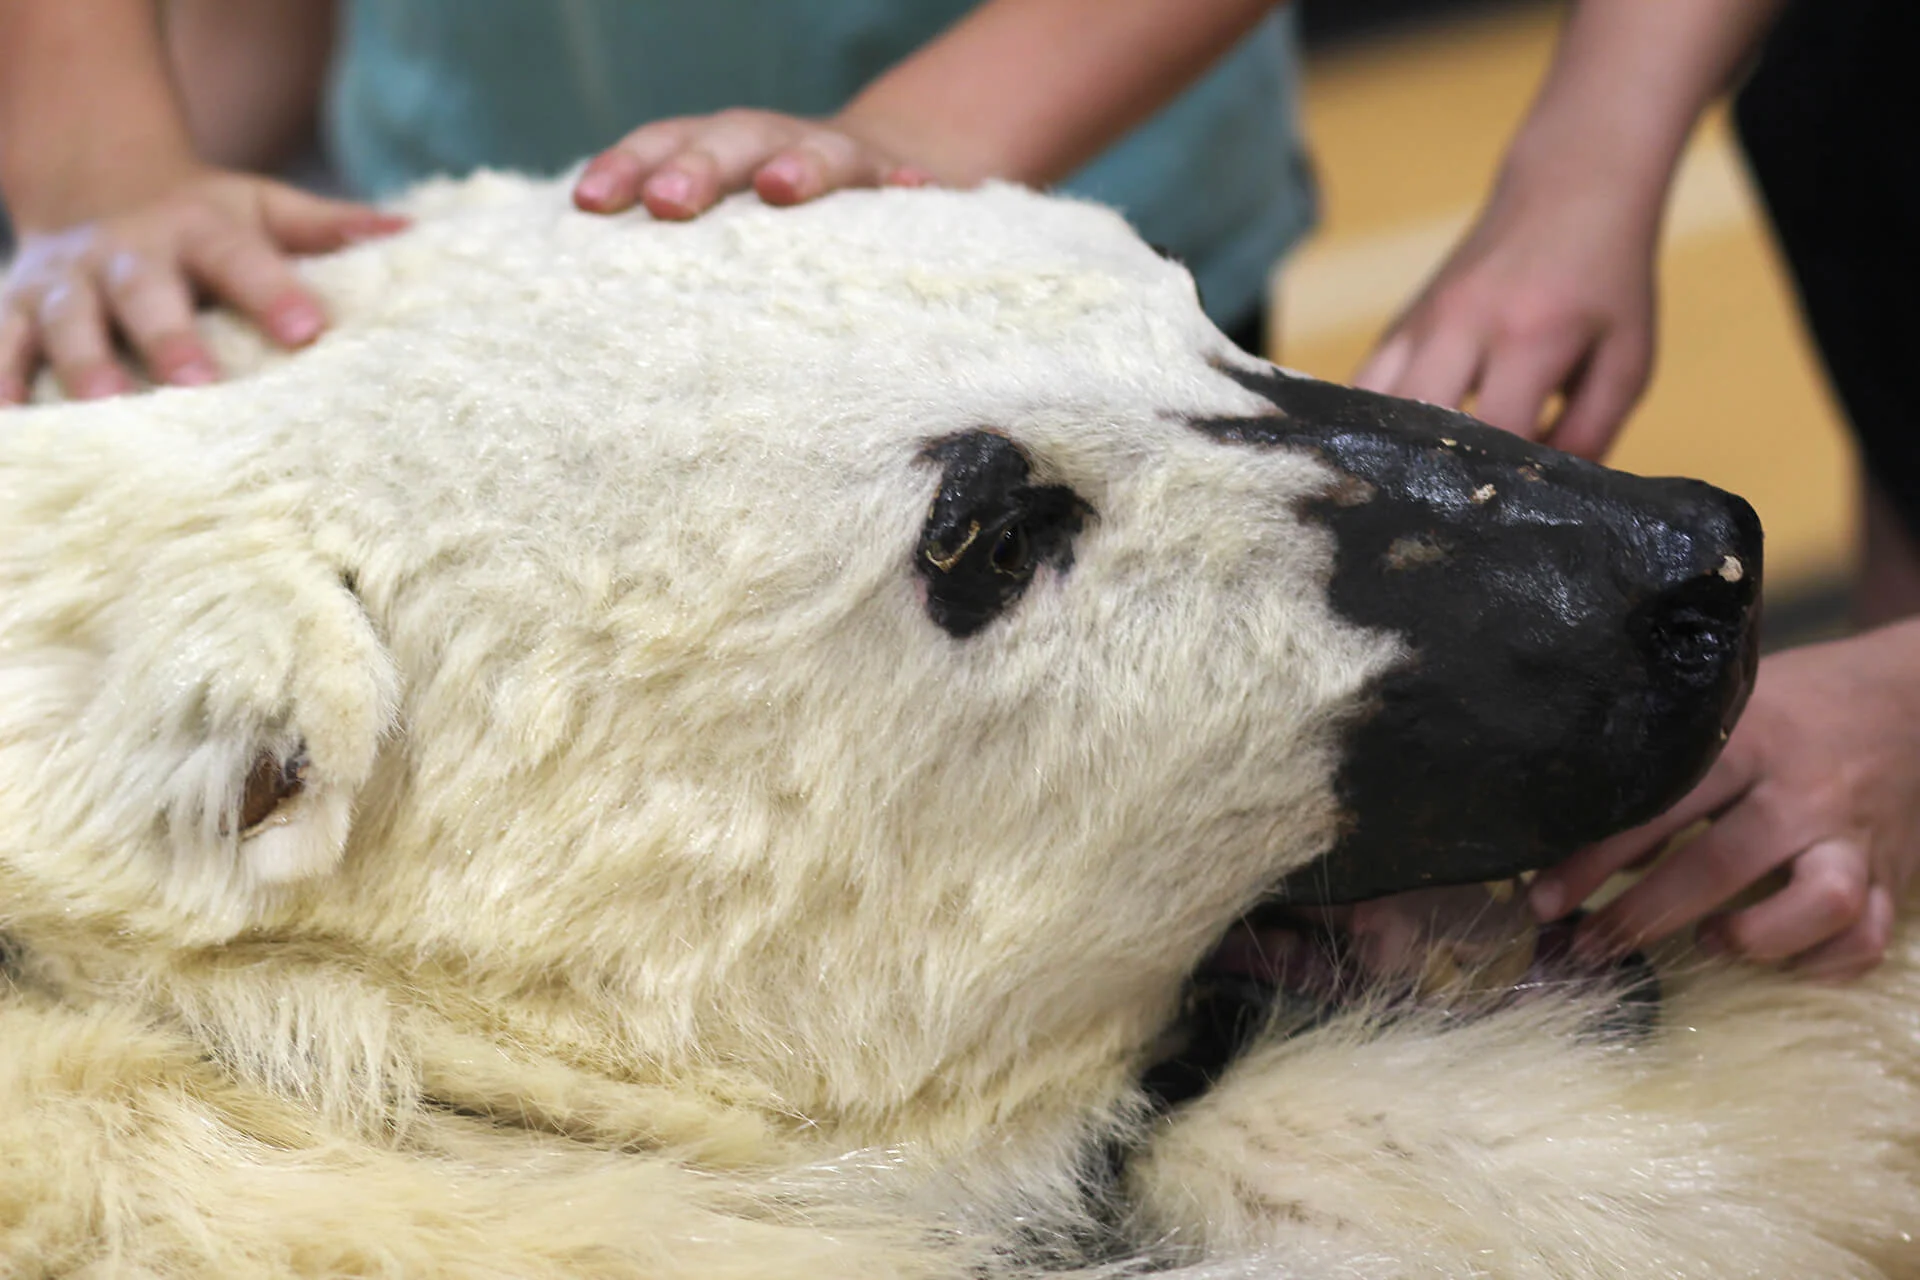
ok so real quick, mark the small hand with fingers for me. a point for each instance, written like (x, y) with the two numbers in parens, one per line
(1549, 297)
(135, 274)
(680, 168)
(1819, 786)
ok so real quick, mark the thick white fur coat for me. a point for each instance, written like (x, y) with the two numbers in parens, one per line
(660, 893)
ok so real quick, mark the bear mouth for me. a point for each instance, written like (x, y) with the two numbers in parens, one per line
(1435, 945)
(1455, 954)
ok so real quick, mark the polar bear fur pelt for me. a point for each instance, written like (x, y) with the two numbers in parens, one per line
(484, 797)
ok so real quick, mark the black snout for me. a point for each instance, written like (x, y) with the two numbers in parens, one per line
(1698, 632)
(1576, 641)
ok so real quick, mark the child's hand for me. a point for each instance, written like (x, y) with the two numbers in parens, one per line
(224, 235)
(1821, 780)
(680, 168)
(1550, 293)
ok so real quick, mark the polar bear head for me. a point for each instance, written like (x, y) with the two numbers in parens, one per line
(850, 662)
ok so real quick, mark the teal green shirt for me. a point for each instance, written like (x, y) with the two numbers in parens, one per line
(424, 87)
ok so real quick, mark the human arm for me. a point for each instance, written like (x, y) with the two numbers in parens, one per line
(1552, 289)
(1820, 781)
(118, 219)
(1020, 89)
(251, 75)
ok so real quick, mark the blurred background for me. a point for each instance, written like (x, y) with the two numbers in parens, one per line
(1408, 104)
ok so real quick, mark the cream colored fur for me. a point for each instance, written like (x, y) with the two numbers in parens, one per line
(666, 896)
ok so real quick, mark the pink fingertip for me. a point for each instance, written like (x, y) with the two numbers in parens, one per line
(102, 384)
(194, 373)
(671, 188)
(908, 176)
(297, 323)
(12, 391)
(594, 188)
(785, 170)
(1880, 914)
(1547, 899)
(375, 226)
(1385, 366)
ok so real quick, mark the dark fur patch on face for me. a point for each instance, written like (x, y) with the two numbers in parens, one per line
(988, 530)
(1578, 638)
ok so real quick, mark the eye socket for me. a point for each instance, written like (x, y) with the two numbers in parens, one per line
(989, 530)
(1012, 554)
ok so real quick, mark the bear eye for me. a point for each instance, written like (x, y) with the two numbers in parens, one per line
(989, 530)
(1013, 552)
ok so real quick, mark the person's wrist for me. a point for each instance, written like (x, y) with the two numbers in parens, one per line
(873, 130)
(98, 183)
(900, 143)
(1554, 164)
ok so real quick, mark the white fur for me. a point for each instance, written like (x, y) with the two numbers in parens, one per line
(667, 896)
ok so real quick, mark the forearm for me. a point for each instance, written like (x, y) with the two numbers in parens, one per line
(1031, 89)
(250, 75)
(1629, 81)
(88, 117)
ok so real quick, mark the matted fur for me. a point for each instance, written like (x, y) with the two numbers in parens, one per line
(664, 895)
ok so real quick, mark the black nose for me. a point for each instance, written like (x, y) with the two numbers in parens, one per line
(1697, 634)
(1694, 616)
(1702, 631)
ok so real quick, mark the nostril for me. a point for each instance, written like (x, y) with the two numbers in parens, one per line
(1690, 641)
(1692, 629)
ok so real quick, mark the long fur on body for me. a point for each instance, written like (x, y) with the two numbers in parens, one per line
(656, 892)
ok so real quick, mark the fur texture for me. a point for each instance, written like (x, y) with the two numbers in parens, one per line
(646, 887)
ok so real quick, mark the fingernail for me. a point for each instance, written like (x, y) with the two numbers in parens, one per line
(104, 383)
(786, 169)
(194, 373)
(672, 187)
(376, 226)
(1385, 367)
(595, 187)
(1546, 899)
(297, 323)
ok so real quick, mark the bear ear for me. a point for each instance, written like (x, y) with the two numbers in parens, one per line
(193, 737)
(274, 803)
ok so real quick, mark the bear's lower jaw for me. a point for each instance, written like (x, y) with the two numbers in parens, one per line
(1472, 946)
(1459, 953)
